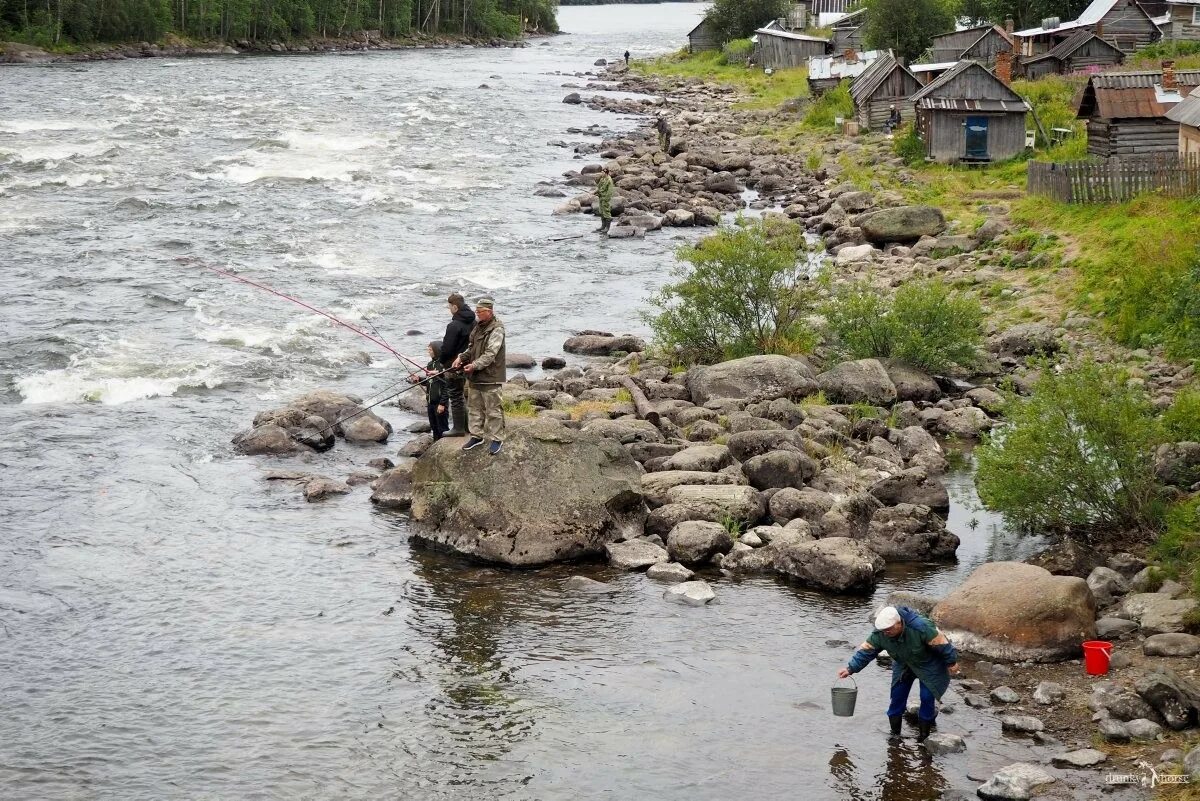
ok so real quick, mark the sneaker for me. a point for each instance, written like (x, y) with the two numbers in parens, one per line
(494, 448)
(473, 442)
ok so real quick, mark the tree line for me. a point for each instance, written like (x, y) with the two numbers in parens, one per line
(49, 23)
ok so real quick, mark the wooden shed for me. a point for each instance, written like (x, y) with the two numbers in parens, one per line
(1083, 51)
(1187, 114)
(847, 32)
(779, 49)
(1183, 23)
(1126, 112)
(886, 83)
(703, 37)
(1124, 24)
(968, 114)
(980, 43)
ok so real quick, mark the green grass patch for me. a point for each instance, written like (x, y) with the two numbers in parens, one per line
(826, 109)
(766, 91)
(523, 408)
(1177, 550)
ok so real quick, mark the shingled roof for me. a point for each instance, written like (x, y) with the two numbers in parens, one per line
(1063, 50)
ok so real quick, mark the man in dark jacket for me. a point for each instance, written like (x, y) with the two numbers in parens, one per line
(919, 652)
(458, 334)
(484, 364)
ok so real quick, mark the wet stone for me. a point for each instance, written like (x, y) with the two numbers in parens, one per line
(692, 593)
(1022, 724)
(1083, 758)
(939, 743)
(587, 585)
(1016, 782)
(976, 701)
(669, 571)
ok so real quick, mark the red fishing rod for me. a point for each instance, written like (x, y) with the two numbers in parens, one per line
(377, 340)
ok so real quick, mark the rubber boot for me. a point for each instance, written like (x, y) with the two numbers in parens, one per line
(458, 418)
(923, 728)
(604, 224)
(896, 721)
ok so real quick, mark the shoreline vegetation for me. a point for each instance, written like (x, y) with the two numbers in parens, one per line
(95, 28)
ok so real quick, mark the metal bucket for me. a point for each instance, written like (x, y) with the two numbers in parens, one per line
(843, 699)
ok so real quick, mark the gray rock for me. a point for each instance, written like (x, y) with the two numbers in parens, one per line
(1017, 782)
(913, 600)
(692, 593)
(669, 571)
(1109, 628)
(1143, 729)
(587, 585)
(1049, 692)
(743, 504)
(320, 488)
(800, 504)
(850, 517)
(913, 486)
(1171, 755)
(1083, 758)
(976, 701)
(694, 542)
(910, 533)
(1156, 614)
(1191, 764)
(1178, 463)
(779, 469)
(1126, 564)
(589, 344)
(1179, 645)
(987, 399)
(749, 560)
(393, 490)
(634, 554)
(656, 486)
(1005, 695)
(860, 381)
(1022, 724)
(625, 430)
(1173, 697)
(1114, 731)
(700, 459)
(940, 743)
(901, 223)
(754, 378)
(1106, 584)
(1025, 339)
(965, 423)
(416, 446)
(911, 384)
(835, 563)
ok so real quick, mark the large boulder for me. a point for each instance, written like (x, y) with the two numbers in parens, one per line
(393, 490)
(599, 344)
(345, 414)
(778, 469)
(860, 381)
(626, 430)
(1017, 782)
(655, 486)
(754, 378)
(836, 563)
(800, 504)
(1175, 698)
(1156, 613)
(910, 533)
(699, 459)
(738, 503)
(1018, 612)
(1178, 463)
(911, 384)
(694, 541)
(1025, 339)
(901, 223)
(745, 445)
(635, 554)
(912, 486)
(850, 517)
(551, 495)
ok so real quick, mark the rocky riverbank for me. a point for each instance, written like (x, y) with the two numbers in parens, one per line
(175, 47)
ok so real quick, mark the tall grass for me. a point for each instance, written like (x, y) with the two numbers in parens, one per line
(828, 107)
(765, 91)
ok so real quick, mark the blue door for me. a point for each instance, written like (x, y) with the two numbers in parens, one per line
(977, 138)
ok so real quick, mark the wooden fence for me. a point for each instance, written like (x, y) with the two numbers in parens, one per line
(1116, 179)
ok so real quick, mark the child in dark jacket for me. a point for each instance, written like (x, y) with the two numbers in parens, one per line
(437, 395)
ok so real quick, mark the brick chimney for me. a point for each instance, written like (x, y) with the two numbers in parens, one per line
(1008, 26)
(1004, 66)
(1169, 84)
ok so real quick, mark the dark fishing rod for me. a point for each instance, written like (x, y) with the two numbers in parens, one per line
(234, 276)
(366, 409)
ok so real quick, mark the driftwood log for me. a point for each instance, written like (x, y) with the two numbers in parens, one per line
(644, 410)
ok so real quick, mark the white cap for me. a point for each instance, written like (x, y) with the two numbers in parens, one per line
(887, 617)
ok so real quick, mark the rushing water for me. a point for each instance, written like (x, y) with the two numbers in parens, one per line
(174, 626)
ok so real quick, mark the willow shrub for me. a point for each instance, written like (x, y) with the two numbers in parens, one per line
(1076, 456)
(741, 291)
(925, 324)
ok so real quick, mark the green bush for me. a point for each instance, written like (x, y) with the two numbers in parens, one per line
(1076, 456)
(925, 324)
(1181, 422)
(909, 146)
(736, 52)
(737, 19)
(741, 291)
(828, 107)
(1177, 550)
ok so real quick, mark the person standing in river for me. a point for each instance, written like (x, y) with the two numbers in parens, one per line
(604, 196)
(458, 334)
(484, 364)
(919, 653)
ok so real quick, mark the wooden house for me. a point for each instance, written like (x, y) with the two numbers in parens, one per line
(1083, 51)
(822, 13)
(927, 73)
(847, 32)
(826, 72)
(1187, 114)
(968, 114)
(1126, 112)
(980, 43)
(885, 83)
(779, 49)
(1183, 21)
(703, 37)
(1124, 24)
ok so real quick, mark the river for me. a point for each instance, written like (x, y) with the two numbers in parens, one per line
(173, 626)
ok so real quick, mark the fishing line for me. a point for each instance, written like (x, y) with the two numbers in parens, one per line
(366, 409)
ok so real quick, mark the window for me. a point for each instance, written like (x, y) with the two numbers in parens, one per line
(1196, 15)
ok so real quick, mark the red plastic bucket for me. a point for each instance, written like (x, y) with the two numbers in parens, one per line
(1096, 654)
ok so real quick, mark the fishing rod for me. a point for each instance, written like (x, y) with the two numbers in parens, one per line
(366, 409)
(234, 276)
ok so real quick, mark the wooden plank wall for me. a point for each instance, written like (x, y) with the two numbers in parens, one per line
(1128, 28)
(1132, 137)
(779, 52)
(945, 135)
(1116, 179)
(1181, 27)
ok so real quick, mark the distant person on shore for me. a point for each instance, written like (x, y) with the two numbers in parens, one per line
(436, 391)
(919, 653)
(604, 197)
(627, 59)
(458, 334)
(664, 133)
(484, 362)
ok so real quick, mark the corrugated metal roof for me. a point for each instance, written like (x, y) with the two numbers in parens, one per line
(1090, 16)
(830, 6)
(1146, 79)
(1187, 112)
(789, 35)
(1132, 95)
(941, 65)
(830, 67)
